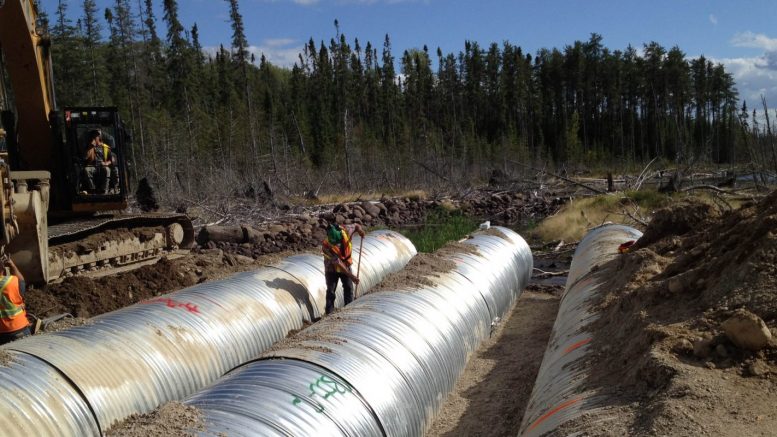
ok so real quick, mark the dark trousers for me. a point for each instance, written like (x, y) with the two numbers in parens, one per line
(7, 337)
(331, 285)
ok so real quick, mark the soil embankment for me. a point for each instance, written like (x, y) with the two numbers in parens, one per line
(685, 345)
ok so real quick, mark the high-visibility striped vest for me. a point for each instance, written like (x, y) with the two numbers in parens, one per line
(342, 250)
(13, 316)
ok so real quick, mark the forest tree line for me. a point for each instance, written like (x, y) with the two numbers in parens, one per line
(357, 115)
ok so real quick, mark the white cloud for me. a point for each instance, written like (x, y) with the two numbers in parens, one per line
(305, 2)
(278, 42)
(713, 19)
(754, 78)
(283, 52)
(754, 40)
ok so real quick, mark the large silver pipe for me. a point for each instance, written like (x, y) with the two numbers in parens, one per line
(381, 366)
(132, 360)
(558, 395)
(30, 386)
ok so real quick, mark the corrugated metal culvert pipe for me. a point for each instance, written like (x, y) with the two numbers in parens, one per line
(383, 365)
(81, 381)
(557, 396)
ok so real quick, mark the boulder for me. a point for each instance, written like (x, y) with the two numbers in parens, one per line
(683, 347)
(757, 368)
(747, 331)
(370, 209)
(276, 228)
(241, 259)
(355, 208)
(254, 236)
(702, 347)
(676, 285)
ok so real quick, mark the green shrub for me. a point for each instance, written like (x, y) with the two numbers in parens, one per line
(440, 226)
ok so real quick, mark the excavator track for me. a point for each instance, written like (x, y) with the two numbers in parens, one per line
(108, 244)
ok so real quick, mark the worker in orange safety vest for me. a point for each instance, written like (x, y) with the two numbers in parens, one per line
(337, 250)
(13, 315)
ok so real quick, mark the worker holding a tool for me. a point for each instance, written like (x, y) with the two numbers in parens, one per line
(13, 316)
(337, 262)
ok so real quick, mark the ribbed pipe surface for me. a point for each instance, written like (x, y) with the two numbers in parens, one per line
(557, 396)
(31, 386)
(381, 366)
(134, 359)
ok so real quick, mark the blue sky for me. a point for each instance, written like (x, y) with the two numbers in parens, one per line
(742, 34)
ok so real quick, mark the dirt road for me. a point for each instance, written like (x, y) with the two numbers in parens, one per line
(490, 397)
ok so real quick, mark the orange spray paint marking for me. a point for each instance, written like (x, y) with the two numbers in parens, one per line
(577, 345)
(560, 407)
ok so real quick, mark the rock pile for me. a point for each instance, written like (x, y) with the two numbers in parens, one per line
(305, 231)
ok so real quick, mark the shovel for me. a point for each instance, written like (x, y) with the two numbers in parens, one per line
(358, 268)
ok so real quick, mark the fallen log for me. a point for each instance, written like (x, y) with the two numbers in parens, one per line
(222, 234)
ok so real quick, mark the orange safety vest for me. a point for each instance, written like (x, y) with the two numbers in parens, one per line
(343, 250)
(13, 316)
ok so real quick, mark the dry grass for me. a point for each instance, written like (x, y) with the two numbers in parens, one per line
(578, 216)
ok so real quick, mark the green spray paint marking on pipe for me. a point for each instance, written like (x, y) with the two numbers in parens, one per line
(324, 387)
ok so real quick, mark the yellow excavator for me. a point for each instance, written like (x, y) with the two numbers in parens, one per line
(52, 225)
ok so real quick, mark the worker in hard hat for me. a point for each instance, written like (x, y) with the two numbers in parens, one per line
(13, 315)
(337, 250)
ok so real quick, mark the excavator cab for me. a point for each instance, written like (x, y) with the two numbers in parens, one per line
(95, 153)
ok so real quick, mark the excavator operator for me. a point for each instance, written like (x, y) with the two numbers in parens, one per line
(99, 165)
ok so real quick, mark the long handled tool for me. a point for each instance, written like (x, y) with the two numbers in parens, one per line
(358, 267)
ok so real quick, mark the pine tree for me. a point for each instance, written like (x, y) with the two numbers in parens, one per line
(92, 28)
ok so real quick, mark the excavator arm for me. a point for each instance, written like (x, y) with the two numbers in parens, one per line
(27, 59)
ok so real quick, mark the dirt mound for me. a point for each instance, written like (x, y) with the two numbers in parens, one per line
(663, 314)
(677, 220)
(496, 233)
(421, 267)
(66, 323)
(88, 297)
(416, 274)
(169, 420)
